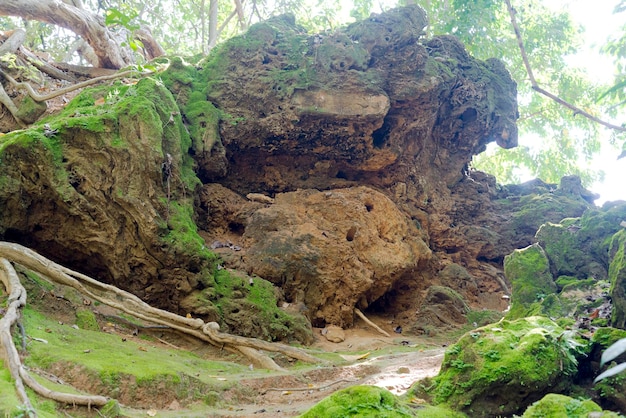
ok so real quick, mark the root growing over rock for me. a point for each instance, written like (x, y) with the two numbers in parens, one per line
(116, 298)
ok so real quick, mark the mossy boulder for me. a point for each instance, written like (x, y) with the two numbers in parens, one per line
(504, 367)
(528, 271)
(560, 406)
(360, 401)
(579, 247)
(537, 203)
(611, 391)
(85, 319)
(617, 277)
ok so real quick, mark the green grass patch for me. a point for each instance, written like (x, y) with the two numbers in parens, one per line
(111, 358)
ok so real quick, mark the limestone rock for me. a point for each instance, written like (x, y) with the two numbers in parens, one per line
(334, 334)
(528, 270)
(340, 248)
(502, 367)
(442, 308)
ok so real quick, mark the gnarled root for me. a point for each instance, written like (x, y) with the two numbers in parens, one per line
(119, 299)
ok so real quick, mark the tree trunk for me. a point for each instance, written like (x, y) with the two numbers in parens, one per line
(212, 23)
(86, 24)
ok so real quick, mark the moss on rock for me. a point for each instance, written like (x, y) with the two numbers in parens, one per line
(503, 367)
(85, 319)
(528, 271)
(617, 277)
(579, 247)
(360, 401)
(560, 406)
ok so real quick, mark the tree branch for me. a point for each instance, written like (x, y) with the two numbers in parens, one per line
(42, 98)
(88, 25)
(538, 89)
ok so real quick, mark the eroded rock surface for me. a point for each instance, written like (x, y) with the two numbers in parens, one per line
(354, 146)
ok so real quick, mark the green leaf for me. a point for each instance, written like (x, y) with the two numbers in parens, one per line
(613, 351)
(611, 372)
(618, 86)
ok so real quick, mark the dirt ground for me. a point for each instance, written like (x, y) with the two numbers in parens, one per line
(393, 363)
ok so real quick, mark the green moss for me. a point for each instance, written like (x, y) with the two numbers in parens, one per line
(360, 401)
(495, 367)
(604, 337)
(85, 319)
(30, 110)
(483, 317)
(429, 411)
(617, 277)
(528, 271)
(561, 406)
(256, 298)
(110, 360)
(580, 284)
(182, 231)
(111, 410)
(10, 403)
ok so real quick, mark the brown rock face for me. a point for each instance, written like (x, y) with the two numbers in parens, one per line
(353, 147)
(371, 105)
(333, 250)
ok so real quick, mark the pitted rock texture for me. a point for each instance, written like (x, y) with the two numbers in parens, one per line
(361, 136)
(333, 250)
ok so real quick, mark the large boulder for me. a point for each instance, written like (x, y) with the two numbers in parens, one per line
(555, 405)
(333, 250)
(617, 276)
(528, 270)
(503, 367)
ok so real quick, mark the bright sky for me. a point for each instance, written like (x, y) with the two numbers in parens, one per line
(600, 23)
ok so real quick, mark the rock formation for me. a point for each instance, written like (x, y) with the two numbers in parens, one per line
(360, 139)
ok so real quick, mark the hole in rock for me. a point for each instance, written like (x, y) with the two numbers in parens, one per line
(236, 227)
(381, 134)
(351, 233)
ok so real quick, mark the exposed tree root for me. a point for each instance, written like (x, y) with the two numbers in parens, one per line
(116, 298)
(43, 97)
(370, 323)
(17, 299)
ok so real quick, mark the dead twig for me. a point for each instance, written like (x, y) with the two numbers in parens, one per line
(310, 387)
(370, 323)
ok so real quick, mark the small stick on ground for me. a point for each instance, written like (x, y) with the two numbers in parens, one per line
(370, 323)
(310, 388)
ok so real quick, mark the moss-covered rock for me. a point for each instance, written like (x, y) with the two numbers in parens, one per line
(441, 309)
(579, 247)
(360, 401)
(611, 391)
(117, 161)
(528, 270)
(561, 406)
(502, 368)
(617, 277)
